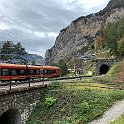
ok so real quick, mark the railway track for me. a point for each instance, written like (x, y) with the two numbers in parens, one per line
(11, 84)
(41, 80)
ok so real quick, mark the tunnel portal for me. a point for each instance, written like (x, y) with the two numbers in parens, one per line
(11, 116)
(104, 69)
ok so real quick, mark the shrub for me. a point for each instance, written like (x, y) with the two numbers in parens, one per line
(50, 101)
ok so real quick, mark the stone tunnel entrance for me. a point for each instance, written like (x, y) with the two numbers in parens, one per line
(104, 69)
(11, 116)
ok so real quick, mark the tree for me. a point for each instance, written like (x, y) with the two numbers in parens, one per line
(63, 67)
(7, 52)
(121, 47)
(19, 53)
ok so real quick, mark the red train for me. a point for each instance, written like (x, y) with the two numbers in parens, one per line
(25, 72)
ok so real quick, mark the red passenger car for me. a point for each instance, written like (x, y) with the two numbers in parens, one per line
(25, 72)
(50, 71)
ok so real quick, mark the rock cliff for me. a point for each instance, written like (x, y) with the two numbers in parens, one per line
(81, 32)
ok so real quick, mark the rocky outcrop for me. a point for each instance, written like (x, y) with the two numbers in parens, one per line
(80, 33)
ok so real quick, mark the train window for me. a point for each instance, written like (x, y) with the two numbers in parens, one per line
(0, 71)
(13, 72)
(32, 71)
(37, 71)
(54, 71)
(45, 71)
(41, 71)
(49, 71)
(22, 72)
(5, 72)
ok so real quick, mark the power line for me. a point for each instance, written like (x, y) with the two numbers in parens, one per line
(31, 49)
(6, 4)
(22, 14)
(26, 15)
(18, 34)
(10, 6)
(24, 37)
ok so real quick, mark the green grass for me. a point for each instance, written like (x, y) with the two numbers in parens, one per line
(119, 120)
(84, 85)
(69, 104)
(114, 70)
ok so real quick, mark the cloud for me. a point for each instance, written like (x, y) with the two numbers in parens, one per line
(37, 23)
(39, 34)
(52, 34)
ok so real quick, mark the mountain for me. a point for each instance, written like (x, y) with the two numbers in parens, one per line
(77, 36)
(39, 60)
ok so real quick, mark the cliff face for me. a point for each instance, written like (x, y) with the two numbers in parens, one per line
(80, 33)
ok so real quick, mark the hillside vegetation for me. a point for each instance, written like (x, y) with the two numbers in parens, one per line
(71, 103)
(117, 72)
(114, 4)
(114, 78)
(108, 44)
(79, 102)
(110, 40)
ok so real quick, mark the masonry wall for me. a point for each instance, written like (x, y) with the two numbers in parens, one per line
(23, 99)
(101, 62)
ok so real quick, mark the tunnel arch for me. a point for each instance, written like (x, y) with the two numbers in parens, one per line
(11, 116)
(103, 69)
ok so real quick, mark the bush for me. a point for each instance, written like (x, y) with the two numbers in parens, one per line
(50, 101)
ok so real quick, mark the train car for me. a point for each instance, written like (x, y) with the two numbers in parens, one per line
(18, 72)
(26, 72)
(50, 71)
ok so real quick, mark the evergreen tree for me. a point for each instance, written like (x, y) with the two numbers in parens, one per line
(7, 52)
(19, 53)
(63, 67)
(112, 33)
(121, 47)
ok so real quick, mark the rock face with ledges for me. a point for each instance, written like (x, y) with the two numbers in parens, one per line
(79, 33)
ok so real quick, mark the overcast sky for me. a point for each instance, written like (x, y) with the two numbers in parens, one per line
(36, 23)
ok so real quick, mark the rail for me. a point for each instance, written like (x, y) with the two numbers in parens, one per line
(29, 82)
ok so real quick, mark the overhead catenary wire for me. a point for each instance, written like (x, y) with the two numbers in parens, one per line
(11, 17)
(6, 4)
(30, 49)
(17, 10)
(24, 38)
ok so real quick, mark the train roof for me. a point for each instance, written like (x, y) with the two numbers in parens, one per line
(8, 64)
(17, 65)
(29, 66)
(50, 67)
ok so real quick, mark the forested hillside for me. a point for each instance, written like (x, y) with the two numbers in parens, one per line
(111, 39)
